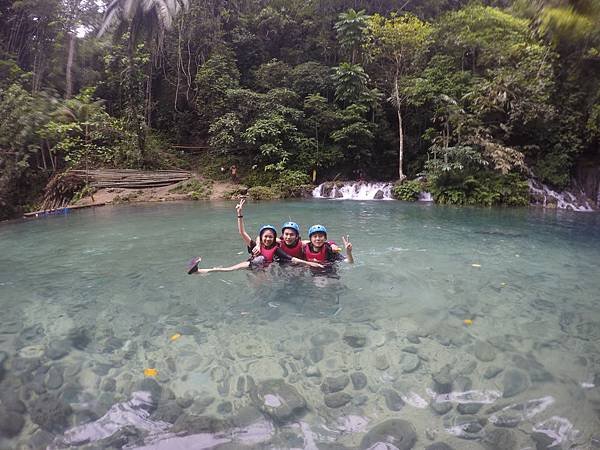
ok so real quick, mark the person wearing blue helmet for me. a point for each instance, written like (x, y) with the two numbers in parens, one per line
(290, 241)
(319, 250)
(269, 250)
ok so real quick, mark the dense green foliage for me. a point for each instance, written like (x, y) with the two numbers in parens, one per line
(409, 190)
(475, 96)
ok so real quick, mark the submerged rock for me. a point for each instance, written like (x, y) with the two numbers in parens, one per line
(465, 426)
(359, 380)
(50, 413)
(168, 412)
(279, 400)
(324, 337)
(11, 401)
(334, 384)
(355, 338)
(150, 385)
(491, 372)
(514, 382)
(469, 408)
(442, 380)
(11, 423)
(409, 362)
(438, 446)
(54, 378)
(41, 439)
(58, 349)
(537, 372)
(393, 400)
(413, 338)
(440, 408)
(191, 424)
(316, 354)
(484, 352)
(381, 362)
(500, 439)
(391, 434)
(337, 399)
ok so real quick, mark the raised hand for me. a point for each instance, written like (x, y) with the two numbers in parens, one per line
(240, 206)
(347, 243)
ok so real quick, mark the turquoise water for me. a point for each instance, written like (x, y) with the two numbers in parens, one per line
(91, 299)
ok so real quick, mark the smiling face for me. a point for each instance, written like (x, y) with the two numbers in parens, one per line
(267, 238)
(289, 236)
(318, 239)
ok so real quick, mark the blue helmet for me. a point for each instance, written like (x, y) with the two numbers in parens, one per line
(265, 228)
(291, 225)
(317, 229)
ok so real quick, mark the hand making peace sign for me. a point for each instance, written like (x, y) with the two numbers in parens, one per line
(347, 243)
(240, 206)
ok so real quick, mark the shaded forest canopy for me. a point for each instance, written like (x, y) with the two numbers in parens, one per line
(475, 96)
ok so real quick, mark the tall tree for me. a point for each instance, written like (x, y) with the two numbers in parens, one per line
(350, 31)
(397, 45)
(147, 20)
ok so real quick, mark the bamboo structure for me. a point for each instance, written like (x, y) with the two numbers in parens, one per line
(61, 189)
(129, 178)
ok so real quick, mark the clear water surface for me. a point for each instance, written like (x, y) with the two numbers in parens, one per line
(475, 328)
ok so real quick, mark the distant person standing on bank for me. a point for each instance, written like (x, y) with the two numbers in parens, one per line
(233, 172)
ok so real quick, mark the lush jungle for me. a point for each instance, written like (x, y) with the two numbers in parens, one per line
(473, 97)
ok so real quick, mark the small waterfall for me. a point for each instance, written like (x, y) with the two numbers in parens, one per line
(425, 197)
(354, 190)
(542, 195)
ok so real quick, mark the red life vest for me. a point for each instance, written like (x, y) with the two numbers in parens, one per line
(295, 251)
(268, 253)
(320, 256)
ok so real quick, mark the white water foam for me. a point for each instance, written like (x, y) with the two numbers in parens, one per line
(425, 197)
(559, 429)
(560, 200)
(352, 190)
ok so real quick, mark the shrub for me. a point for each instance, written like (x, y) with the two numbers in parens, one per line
(408, 191)
(262, 193)
(292, 183)
(482, 189)
(196, 189)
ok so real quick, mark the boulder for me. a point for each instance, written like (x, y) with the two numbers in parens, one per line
(50, 413)
(279, 400)
(393, 433)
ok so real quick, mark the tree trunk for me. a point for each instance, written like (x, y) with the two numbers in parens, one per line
(69, 69)
(397, 104)
(149, 94)
(401, 175)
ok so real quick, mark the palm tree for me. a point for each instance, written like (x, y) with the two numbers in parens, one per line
(350, 83)
(152, 17)
(350, 29)
(147, 19)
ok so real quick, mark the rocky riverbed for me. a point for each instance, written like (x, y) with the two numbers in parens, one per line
(342, 384)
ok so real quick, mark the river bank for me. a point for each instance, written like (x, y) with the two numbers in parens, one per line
(214, 190)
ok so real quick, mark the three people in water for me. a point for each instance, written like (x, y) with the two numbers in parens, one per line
(317, 252)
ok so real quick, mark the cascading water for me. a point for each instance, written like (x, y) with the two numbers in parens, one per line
(542, 195)
(354, 190)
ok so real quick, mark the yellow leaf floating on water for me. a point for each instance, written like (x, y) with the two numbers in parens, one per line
(175, 336)
(150, 372)
(468, 321)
